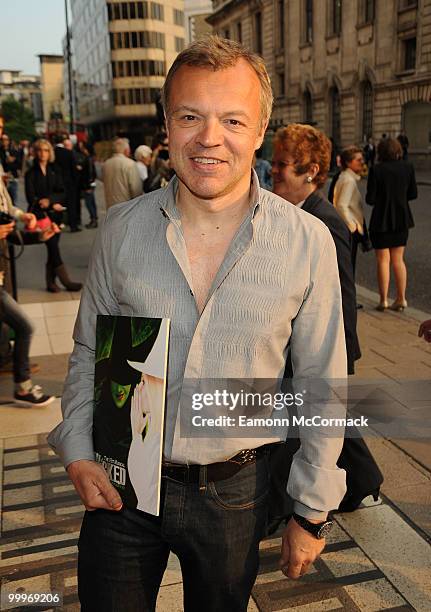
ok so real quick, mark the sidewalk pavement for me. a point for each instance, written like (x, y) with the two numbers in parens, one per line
(377, 558)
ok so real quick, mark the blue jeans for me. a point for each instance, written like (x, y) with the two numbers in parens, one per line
(90, 203)
(13, 315)
(215, 532)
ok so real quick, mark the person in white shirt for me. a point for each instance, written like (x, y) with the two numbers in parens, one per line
(347, 197)
(143, 156)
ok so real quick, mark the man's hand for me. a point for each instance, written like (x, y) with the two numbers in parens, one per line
(299, 549)
(44, 202)
(6, 229)
(92, 485)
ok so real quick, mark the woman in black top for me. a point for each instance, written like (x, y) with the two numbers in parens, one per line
(45, 194)
(391, 184)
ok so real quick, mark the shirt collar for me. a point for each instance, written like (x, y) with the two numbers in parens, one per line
(168, 197)
(351, 173)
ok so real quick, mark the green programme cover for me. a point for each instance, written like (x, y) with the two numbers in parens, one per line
(129, 405)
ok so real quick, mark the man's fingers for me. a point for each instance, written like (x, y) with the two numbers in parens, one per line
(305, 567)
(285, 553)
(292, 570)
(93, 486)
(110, 493)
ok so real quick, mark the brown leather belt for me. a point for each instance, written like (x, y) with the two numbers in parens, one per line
(186, 474)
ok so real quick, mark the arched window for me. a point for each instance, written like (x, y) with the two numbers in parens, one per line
(308, 108)
(367, 110)
(335, 116)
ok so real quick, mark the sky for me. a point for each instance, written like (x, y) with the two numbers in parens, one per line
(30, 28)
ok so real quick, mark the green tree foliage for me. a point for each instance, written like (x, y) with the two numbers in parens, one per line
(19, 120)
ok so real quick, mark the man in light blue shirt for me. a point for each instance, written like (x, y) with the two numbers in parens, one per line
(241, 275)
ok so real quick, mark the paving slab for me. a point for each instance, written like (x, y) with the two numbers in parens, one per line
(396, 549)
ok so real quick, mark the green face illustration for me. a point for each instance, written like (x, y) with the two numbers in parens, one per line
(120, 393)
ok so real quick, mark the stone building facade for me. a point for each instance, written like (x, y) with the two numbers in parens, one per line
(51, 77)
(196, 12)
(353, 68)
(121, 52)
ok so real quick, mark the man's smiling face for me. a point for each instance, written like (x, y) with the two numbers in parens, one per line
(214, 124)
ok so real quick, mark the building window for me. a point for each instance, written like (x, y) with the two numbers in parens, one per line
(336, 15)
(142, 10)
(367, 110)
(369, 8)
(281, 9)
(308, 21)
(366, 11)
(258, 42)
(157, 11)
(308, 108)
(410, 54)
(179, 44)
(239, 31)
(124, 10)
(281, 88)
(128, 40)
(226, 33)
(178, 17)
(138, 68)
(135, 96)
(335, 116)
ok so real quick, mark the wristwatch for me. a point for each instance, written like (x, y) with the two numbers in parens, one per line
(318, 530)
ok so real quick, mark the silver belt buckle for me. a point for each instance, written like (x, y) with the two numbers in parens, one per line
(244, 456)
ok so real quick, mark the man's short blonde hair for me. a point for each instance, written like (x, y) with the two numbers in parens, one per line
(43, 142)
(215, 53)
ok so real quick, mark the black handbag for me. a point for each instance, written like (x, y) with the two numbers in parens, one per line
(364, 240)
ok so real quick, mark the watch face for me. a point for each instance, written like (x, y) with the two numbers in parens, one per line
(324, 530)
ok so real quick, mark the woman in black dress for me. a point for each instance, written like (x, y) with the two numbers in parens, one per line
(391, 184)
(44, 191)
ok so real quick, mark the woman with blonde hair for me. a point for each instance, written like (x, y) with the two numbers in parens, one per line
(44, 191)
(391, 184)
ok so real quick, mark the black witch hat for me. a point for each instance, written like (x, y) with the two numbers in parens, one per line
(132, 340)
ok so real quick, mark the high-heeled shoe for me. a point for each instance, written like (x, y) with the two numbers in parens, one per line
(382, 306)
(398, 306)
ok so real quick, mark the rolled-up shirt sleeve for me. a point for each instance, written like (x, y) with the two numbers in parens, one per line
(318, 353)
(72, 439)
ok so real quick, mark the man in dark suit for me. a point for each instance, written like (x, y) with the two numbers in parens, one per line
(316, 204)
(65, 161)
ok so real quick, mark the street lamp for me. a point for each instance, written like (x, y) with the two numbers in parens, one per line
(69, 70)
